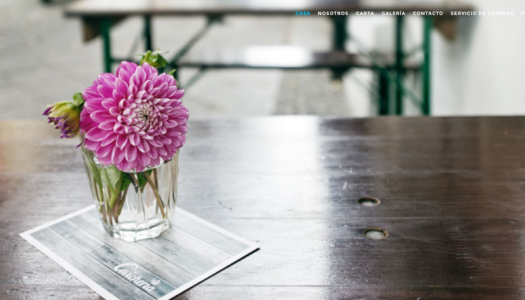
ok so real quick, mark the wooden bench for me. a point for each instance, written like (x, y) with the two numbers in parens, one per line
(283, 57)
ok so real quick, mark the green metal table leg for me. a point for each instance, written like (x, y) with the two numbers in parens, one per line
(106, 44)
(148, 39)
(339, 33)
(212, 19)
(383, 108)
(400, 72)
(339, 40)
(427, 48)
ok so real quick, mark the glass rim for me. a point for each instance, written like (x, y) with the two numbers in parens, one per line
(102, 166)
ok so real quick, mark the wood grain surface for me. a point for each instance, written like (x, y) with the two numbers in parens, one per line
(451, 190)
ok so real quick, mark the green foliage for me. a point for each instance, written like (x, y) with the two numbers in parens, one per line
(142, 179)
(126, 181)
(112, 176)
(78, 99)
(93, 168)
(154, 59)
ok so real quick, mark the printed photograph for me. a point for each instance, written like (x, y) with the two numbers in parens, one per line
(262, 149)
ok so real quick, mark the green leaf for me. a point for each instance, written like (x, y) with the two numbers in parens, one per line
(144, 57)
(112, 176)
(159, 60)
(126, 181)
(142, 178)
(95, 172)
(154, 59)
(78, 99)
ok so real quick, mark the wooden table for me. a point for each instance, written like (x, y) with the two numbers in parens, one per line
(99, 15)
(451, 190)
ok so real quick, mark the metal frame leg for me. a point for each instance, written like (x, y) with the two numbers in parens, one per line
(339, 33)
(383, 108)
(212, 19)
(400, 72)
(339, 40)
(427, 48)
(106, 44)
(148, 39)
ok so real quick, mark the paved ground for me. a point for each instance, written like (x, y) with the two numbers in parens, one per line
(43, 60)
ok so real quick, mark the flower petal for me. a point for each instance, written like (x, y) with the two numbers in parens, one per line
(162, 151)
(90, 92)
(106, 79)
(129, 66)
(93, 105)
(96, 134)
(170, 123)
(152, 153)
(122, 140)
(109, 103)
(107, 125)
(109, 139)
(134, 139)
(144, 146)
(114, 111)
(131, 153)
(103, 151)
(178, 94)
(155, 143)
(105, 91)
(101, 116)
(121, 89)
(91, 145)
(117, 155)
(124, 75)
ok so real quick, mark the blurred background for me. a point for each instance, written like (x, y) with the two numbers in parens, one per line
(44, 60)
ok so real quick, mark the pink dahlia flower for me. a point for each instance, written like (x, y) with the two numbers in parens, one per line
(133, 118)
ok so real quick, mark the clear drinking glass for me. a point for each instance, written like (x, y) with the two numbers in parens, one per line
(133, 205)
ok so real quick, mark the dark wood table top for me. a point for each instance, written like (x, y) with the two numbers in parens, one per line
(451, 190)
(91, 8)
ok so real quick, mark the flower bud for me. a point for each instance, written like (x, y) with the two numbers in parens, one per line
(65, 116)
(154, 59)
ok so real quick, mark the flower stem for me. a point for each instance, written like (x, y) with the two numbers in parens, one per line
(154, 188)
(108, 211)
(101, 202)
(97, 194)
(114, 210)
(157, 185)
(115, 193)
(135, 181)
(122, 201)
(156, 177)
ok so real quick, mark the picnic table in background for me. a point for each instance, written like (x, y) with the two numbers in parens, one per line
(391, 68)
